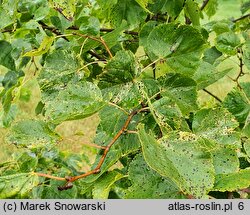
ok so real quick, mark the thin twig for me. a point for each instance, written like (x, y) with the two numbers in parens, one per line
(204, 4)
(50, 176)
(149, 65)
(101, 40)
(94, 54)
(242, 17)
(117, 106)
(211, 94)
(94, 62)
(97, 169)
(126, 32)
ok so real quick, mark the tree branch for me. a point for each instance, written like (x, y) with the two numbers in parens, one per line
(101, 40)
(97, 169)
(242, 17)
(204, 4)
(211, 94)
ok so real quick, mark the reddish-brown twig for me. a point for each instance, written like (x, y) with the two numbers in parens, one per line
(97, 169)
(100, 40)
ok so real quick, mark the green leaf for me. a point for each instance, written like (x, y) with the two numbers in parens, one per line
(6, 118)
(171, 7)
(144, 4)
(211, 8)
(180, 45)
(237, 102)
(104, 184)
(246, 54)
(43, 48)
(31, 134)
(17, 185)
(225, 160)
(27, 162)
(148, 184)
(181, 89)
(232, 181)
(208, 74)
(119, 70)
(109, 38)
(181, 158)
(245, 7)
(208, 124)
(89, 25)
(67, 8)
(75, 101)
(211, 55)
(59, 69)
(5, 18)
(52, 192)
(193, 11)
(227, 43)
(5, 55)
(221, 27)
(247, 148)
(127, 10)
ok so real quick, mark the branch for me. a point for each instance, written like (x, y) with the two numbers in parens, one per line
(211, 94)
(97, 169)
(204, 4)
(101, 40)
(126, 32)
(94, 54)
(242, 17)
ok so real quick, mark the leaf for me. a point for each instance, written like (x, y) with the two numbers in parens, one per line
(104, 184)
(144, 4)
(148, 184)
(51, 191)
(193, 11)
(225, 160)
(43, 48)
(5, 55)
(171, 7)
(119, 70)
(211, 8)
(66, 8)
(245, 7)
(208, 74)
(211, 55)
(31, 134)
(247, 148)
(5, 18)
(227, 43)
(129, 11)
(6, 118)
(181, 159)
(180, 45)
(59, 69)
(208, 123)
(17, 185)
(246, 54)
(180, 89)
(109, 38)
(76, 101)
(89, 25)
(232, 181)
(27, 162)
(237, 102)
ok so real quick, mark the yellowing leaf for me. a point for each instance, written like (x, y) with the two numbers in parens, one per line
(44, 47)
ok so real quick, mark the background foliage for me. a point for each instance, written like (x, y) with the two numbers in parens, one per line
(169, 81)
